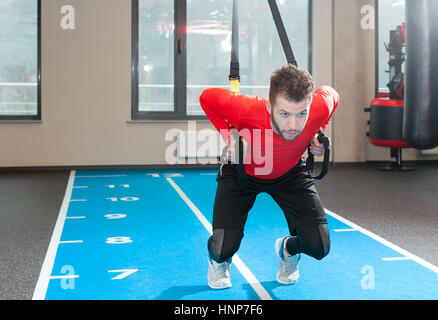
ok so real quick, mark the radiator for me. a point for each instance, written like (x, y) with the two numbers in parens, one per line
(200, 144)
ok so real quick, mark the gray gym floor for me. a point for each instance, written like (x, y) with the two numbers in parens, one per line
(398, 206)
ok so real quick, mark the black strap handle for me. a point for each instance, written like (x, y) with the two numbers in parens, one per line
(242, 177)
(240, 167)
(310, 162)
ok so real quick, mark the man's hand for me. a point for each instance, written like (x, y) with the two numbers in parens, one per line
(232, 154)
(316, 147)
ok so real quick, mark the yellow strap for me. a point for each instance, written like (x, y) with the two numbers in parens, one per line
(234, 86)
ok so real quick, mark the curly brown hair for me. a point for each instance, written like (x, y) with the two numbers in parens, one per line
(291, 82)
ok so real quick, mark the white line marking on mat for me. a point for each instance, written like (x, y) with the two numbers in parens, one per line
(385, 242)
(123, 273)
(46, 270)
(82, 217)
(71, 276)
(72, 241)
(103, 176)
(249, 276)
(344, 230)
(396, 258)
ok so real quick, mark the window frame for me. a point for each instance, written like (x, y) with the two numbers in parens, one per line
(37, 117)
(376, 51)
(180, 66)
(376, 47)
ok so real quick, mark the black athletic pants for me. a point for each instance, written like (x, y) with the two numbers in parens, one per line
(296, 195)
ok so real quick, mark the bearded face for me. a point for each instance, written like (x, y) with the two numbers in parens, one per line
(288, 118)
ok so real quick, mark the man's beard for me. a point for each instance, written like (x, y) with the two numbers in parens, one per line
(277, 129)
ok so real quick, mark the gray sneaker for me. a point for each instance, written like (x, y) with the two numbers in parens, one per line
(288, 269)
(219, 274)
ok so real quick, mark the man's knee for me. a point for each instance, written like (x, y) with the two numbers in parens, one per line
(318, 245)
(223, 244)
(320, 252)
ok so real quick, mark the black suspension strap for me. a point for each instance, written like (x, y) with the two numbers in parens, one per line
(291, 59)
(282, 33)
(234, 78)
(234, 62)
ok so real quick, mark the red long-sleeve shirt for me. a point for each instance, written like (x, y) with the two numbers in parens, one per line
(270, 156)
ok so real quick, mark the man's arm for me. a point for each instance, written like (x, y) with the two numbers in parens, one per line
(328, 99)
(223, 109)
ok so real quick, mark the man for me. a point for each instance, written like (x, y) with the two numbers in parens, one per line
(287, 124)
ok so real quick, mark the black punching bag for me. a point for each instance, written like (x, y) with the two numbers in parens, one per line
(420, 121)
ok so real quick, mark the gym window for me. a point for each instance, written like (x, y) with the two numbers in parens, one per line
(181, 47)
(20, 60)
(390, 15)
